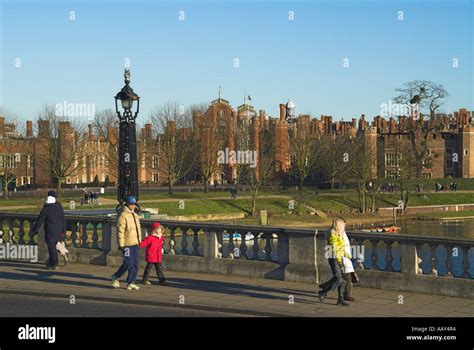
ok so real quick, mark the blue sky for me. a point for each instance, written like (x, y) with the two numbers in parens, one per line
(82, 61)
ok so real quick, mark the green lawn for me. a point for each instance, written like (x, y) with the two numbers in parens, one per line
(178, 195)
(218, 206)
(350, 200)
(330, 200)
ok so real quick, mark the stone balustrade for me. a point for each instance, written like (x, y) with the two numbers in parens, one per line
(383, 260)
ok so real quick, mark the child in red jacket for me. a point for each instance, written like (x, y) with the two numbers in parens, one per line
(154, 247)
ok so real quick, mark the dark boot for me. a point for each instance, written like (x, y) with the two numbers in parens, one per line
(321, 295)
(348, 290)
(342, 302)
(340, 297)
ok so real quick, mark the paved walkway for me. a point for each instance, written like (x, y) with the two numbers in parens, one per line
(231, 294)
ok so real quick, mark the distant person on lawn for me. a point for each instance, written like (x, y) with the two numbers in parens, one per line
(129, 235)
(154, 253)
(52, 216)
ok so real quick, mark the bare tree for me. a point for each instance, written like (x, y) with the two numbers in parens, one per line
(361, 162)
(176, 148)
(209, 141)
(241, 144)
(63, 144)
(9, 159)
(424, 98)
(406, 172)
(335, 153)
(304, 154)
(106, 124)
(253, 179)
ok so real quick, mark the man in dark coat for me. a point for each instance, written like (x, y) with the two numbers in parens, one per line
(52, 216)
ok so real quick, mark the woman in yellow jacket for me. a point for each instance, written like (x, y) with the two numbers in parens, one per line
(337, 250)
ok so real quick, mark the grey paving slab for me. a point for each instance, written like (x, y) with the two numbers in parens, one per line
(223, 293)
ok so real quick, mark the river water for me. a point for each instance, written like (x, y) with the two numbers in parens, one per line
(450, 229)
(454, 229)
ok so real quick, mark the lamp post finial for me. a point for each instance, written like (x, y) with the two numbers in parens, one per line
(127, 76)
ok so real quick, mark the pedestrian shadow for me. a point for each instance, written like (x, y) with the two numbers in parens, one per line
(49, 273)
(232, 204)
(44, 277)
(31, 265)
(229, 288)
(36, 272)
(346, 201)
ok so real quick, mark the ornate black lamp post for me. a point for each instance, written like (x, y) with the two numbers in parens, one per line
(128, 173)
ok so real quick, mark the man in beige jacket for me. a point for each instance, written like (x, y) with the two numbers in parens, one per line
(129, 237)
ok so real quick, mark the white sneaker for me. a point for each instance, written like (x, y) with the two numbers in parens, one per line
(115, 282)
(133, 286)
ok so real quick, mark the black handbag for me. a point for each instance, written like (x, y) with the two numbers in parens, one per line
(354, 278)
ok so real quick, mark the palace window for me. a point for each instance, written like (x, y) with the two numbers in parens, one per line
(155, 162)
(29, 161)
(7, 161)
(392, 159)
(155, 177)
(391, 173)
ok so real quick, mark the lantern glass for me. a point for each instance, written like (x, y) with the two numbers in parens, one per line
(127, 104)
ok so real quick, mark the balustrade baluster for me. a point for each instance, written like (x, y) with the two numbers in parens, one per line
(74, 235)
(243, 248)
(361, 249)
(31, 234)
(220, 244)
(465, 262)
(388, 256)
(11, 231)
(184, 242)
(231, 246)
(420, 259)
(374, 257)
(21, 231)
(449, 260)
(196, 242)
(255, 247)
(434, 261)
(84, 235)
(2, 233)
(172, 241)
(95, 237)
(268, 247)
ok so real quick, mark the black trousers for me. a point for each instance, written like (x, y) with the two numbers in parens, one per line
(336, 281)
(53, 254)
(159, 271)
(348, 291)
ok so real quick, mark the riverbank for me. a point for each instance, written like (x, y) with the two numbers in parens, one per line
(446, 216)
(282, 207)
